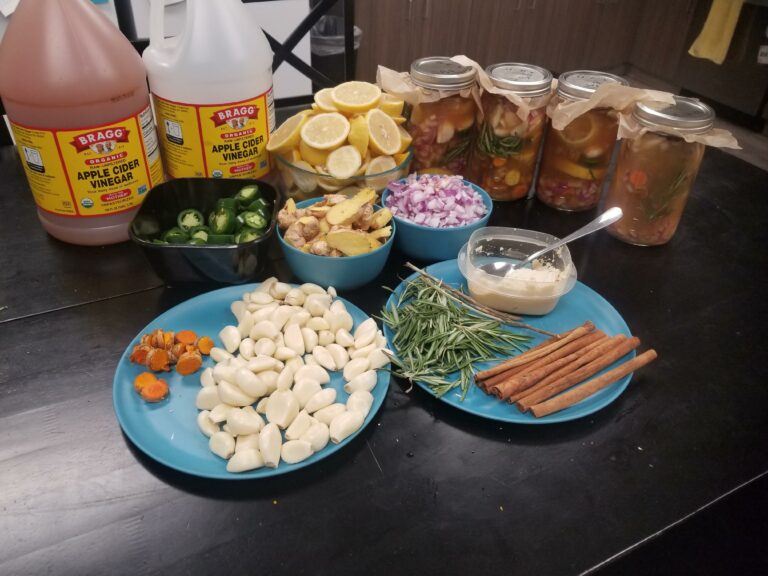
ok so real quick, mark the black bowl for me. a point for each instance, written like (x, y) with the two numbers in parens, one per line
(181, 263)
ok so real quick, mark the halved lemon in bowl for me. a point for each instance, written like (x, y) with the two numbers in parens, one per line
(324, 101)
(325, 131)
(355, 97)
(287, 136)
(384, 135)
(343, 162)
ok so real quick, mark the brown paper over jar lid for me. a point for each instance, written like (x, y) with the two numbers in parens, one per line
(441, 73)
(402, 85)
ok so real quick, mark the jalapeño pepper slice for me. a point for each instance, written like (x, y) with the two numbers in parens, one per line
(222, 221)
(247, 234)
(247, 194)
(175, 236)
(190, 218)
(196, 242)
(229, 203)
(254, 219)
(200, 232)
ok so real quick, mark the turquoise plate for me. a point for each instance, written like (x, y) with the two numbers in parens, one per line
(575, 308)
(167, 431)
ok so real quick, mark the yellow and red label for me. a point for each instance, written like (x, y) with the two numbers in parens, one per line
(216, 141)
(92, 171)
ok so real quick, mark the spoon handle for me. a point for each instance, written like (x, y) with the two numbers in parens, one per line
(606, 218)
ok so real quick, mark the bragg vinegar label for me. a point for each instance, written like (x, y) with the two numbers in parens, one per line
(216, 141)
(95, 171)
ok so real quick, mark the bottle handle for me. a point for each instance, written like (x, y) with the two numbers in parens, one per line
(156, 24)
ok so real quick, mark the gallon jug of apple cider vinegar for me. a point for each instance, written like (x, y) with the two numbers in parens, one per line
(75, 92)
(212, 91)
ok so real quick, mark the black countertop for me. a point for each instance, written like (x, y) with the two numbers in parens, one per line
(643, 486)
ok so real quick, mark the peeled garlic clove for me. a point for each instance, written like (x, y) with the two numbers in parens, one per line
(310, 361)
(295, 363)
(327, 414)
(266, 285)
(295, 451)
(230, 338)
(250, 383)
(355, 367)
(363, 352)
(344, 338)
(279, 340)
(264, 312)
(344, 425)
(224, 371)
(314, 373)
(317, 435)
(263, 329)
(300, 424)
(232, 395)
(325, 337)
(360, 401)
(380, 340)
(320, 400)
(306, 389)
(220, 412)
(264, 347)
(335, 320)
(309, 288)
(280, 316)
(378, 359)
(294, 339)
(244, 460)
(338, 306)
(310, 338)
(222, 444)
(339, 355)
(295, 297)
(207, 398)
(238, 308)
(245, 325)
(324, 358)
(279, 290)
(270, 442)
(246, 442)
(206, 377)
(317, 304)
(365, 381)
(285, 379)
(282, 408)
(300, 318)
(244, 421)
(331, 292)
(261, 298)
(317, 323)
(345, 321)
(261, 407)
(261, 363)
(246, 348)
(285, 353)
(208, 426)
(220, 355)
(269, 377)
(365, 333)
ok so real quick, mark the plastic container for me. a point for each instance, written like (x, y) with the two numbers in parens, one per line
(575, 160)
(534, 290)
(343, 272)
(76, 94)
(182, 264)
(442, 130)
(212, 91)
(504, 155)
(437, 244)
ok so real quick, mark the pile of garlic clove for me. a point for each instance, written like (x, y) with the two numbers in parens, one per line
(266, 399)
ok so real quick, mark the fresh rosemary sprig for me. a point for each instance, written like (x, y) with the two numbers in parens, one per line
(657, 207)
(497, 146)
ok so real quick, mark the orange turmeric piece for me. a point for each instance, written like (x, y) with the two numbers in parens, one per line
(204, 344)
(158, 360)
(186, 337)
(155, 391)
(189, 363)
(139, 353)
(142, 380)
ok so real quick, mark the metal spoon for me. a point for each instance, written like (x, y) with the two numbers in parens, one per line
(608, 217)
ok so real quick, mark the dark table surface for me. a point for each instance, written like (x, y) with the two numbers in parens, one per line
(670, 478)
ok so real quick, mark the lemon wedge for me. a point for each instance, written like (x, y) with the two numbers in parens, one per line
(355, 96)
(323, 100)
(405, 139)
(287, 135)
(391, 105)
(384, 134)
(358, 134)
(377, 166)
(325, 131)
(343, 162)
(312, 155)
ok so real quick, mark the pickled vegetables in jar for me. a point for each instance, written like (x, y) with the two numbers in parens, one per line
(655, 171)
(575, 160)
(503, 158)
(442, 128)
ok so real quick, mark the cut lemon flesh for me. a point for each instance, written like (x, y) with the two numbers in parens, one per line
(344, 162)
(377, 166)
(384, 134)
(405, 139)
(288, 134)
(577, 170)
(579, 131)
(312, 155)
(325, 131)
(355, 96)
(391, 105)
(324, 101)
(358, 134)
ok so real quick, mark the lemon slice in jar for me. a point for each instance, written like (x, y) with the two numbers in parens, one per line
(325, 131)
(377, 166)
(287, 135)
(391, 105)
(384, 134)
(358, 134)
(579, 131)
(343, 162)
(324, 102)
(355, 96)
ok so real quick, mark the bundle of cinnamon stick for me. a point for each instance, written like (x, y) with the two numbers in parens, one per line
(555, 374)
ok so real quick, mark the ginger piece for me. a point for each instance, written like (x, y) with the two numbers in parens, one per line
(381, 233)
(333, 199)
(336, 253)
(374, 243)
(320, 248)
(345, 212)
(381, 218)
(349, 242)
(301, 231)
(364, 218)
(288, 214)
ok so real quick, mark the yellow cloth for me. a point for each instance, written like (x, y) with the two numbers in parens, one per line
(715, 37)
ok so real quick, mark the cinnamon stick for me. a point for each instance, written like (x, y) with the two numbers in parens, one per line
(543, 367)
(617, 347)
(587, 389)
(537, 352)
(487, 384)
(487, 379)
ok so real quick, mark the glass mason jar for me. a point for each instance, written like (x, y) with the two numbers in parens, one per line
(575, 159)
(655, 172)
(442, 131)
(503, 158)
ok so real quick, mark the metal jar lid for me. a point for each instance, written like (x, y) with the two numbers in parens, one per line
(687, 115)
(441, 73)
(581, 84)
(525, 80)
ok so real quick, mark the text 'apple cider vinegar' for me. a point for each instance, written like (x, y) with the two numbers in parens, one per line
(212, 91)
(75, 92)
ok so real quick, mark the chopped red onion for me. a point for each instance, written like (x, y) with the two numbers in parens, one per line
(435, 201)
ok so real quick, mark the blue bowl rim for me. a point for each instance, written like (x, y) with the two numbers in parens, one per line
(487, 200)
(309, 202)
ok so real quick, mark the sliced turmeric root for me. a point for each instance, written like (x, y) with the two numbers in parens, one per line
(158, 360)
(143, 380)
(189, 363)
(155, 391)
(204, 344)
(139, 353)
(186, 337)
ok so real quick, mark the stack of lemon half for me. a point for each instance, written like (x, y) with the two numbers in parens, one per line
(352, 130)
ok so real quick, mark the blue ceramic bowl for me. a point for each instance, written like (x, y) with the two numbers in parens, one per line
(343, 273)
(436, 244)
